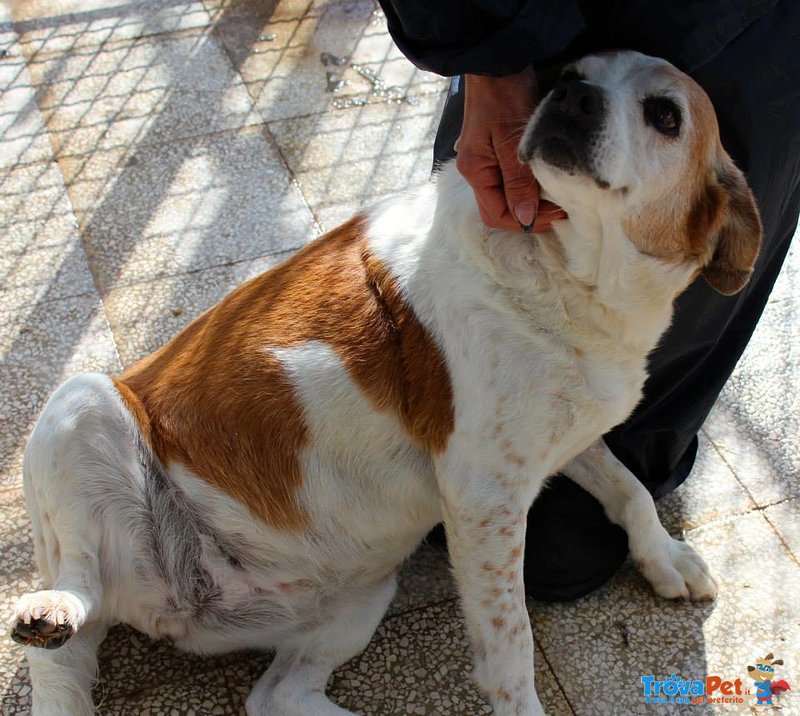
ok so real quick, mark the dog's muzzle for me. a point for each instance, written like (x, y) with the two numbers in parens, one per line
(567, 129)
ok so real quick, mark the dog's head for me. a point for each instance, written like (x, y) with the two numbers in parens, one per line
(631, 136)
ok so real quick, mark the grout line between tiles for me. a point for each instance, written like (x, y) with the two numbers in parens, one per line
(555, 675)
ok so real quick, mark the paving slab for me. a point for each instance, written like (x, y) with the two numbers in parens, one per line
(17, 576)
(136, 92)
(161, 210)
(40, 346)
(43, 256)
(351, 158)
(600, 646)
(785, 518)
(756, 422)
(340, 56)
(23, 136)
(711, 492)
(62, 25)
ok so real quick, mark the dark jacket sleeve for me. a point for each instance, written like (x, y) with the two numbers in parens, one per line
(486, 37)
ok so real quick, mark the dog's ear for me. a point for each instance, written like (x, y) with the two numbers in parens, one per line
(750, 668)
(778, 661)
(768, 656)
(738, 234)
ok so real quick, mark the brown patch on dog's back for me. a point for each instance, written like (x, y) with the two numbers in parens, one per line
(216, 400)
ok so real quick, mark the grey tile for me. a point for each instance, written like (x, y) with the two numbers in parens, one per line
(45, 26)
(43, 256)
(785, 518)
(23, 137)
(41, 345)
(348, 159)
(756, 424)
(424, 580)
(788, 283)
(600, 646)
(137, 672)
(17, 576)
(711, 492)
(253, 13)
(281, 61)
(137, 92)
(144, 316)
(195, 203)
(417, 663)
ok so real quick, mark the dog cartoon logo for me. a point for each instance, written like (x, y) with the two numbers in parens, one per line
(763, 674)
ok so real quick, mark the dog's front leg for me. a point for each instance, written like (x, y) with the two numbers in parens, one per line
(485, 513)
(671, 566)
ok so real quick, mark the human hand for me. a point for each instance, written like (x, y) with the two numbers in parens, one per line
(496, 111)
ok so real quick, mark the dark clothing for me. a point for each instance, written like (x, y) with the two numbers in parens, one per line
(501, 37)
(745, 55)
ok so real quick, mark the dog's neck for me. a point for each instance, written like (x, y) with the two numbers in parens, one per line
(583, 267)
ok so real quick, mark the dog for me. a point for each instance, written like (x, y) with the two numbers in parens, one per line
(257, 482)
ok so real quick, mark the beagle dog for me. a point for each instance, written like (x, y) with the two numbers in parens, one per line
(257, 482)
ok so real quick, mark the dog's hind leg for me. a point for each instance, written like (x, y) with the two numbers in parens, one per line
(79, 454)
(671, 566)
(62, 678)
(294, 684)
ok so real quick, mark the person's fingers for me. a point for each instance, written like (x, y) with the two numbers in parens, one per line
(546, 216)
(519, 185)
(481, 171)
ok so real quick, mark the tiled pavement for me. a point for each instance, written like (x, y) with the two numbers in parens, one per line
(154, 154)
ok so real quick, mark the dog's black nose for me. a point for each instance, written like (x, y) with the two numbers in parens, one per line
(578, 100)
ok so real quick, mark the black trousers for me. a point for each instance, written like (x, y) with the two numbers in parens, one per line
(754, 84)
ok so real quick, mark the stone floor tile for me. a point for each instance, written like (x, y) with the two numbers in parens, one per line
(710, 493)
(755, 424)
(247, 11)
(340, 57)
(135, 668)
(425, 579)
(417, 663)
(17, 576)
(349, 159)
(43, 256)
(40, 346)
(166, 209)
(203, 693)
(48, 26)
(785, 518)
(138, 92)
(600, 646)
(787, 285)
(23, 137)
(144, 316)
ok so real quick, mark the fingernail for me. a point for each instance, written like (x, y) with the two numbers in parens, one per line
(525, 213)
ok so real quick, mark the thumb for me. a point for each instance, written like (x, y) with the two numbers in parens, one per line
(519, 185)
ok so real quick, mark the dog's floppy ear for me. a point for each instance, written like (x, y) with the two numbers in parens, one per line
(739, 233)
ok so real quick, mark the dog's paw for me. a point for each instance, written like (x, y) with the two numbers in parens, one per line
(47, 619)
(677, 571)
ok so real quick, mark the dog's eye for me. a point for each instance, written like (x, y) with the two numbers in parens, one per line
(663, 115)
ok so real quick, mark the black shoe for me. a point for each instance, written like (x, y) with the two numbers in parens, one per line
(571, 548)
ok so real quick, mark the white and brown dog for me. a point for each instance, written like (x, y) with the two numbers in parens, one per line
(257, 482)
